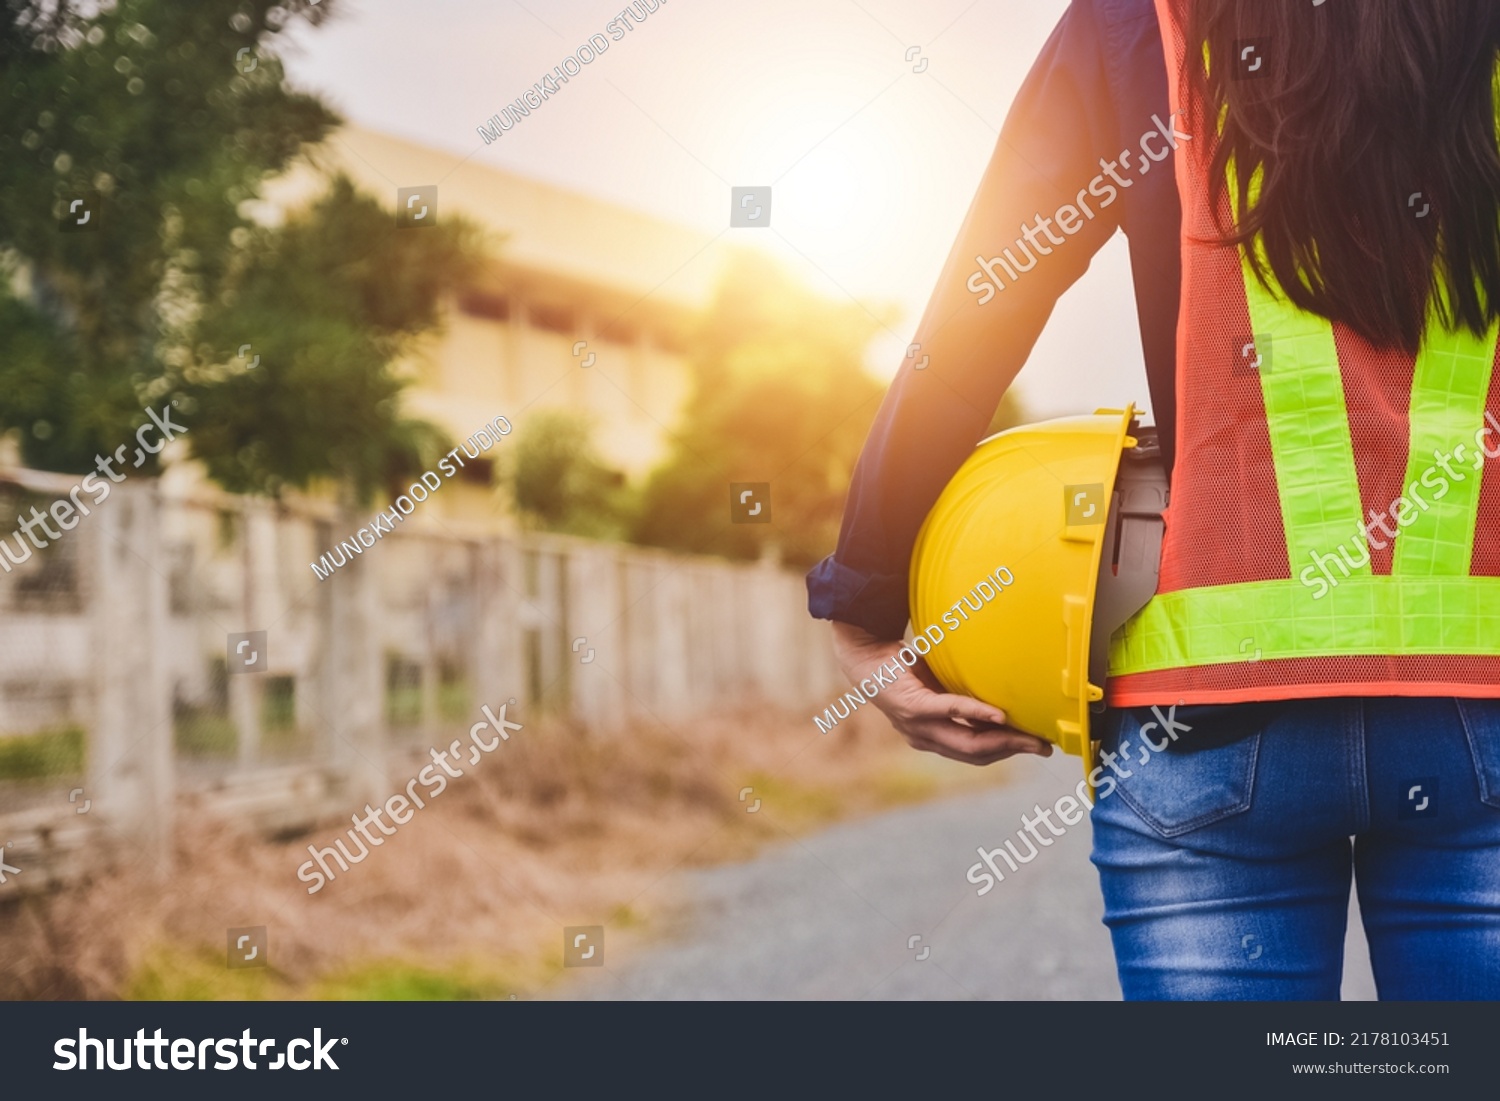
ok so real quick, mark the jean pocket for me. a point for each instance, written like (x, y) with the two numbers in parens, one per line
(1481, 720)
(1174, 791)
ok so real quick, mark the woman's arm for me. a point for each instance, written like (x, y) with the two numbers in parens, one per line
(974, 338)
(1048, 156)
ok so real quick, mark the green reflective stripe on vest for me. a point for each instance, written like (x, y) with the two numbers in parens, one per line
(1303, 391)
(1265, 620)
(1449, 390)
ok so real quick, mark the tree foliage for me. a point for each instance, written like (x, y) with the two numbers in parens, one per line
(325, 301)
(174, 114)
(559, 482)
(780, 395)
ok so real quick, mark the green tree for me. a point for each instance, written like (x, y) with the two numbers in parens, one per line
(171, 115)
(558, 481)
(780, 395)
(327, 301)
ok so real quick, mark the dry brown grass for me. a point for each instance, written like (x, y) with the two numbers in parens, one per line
(468, 898)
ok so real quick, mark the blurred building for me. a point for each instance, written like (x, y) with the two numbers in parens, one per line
(571, 274)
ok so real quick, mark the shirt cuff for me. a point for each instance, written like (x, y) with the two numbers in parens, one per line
(876, 602)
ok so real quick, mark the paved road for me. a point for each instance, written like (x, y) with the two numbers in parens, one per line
(829, 916)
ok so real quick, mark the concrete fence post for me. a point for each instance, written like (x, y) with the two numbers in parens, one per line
(257, 588)
(599, 665)
(672, 643)
(551, 601)
(352, 675)
(130, 761)
(495, 673)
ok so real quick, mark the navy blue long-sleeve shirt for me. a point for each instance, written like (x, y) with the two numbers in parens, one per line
(1091, 119)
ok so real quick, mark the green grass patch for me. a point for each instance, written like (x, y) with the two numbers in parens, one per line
(208, 731)
(454, 703)
(899, 787)
(278, 705)
(397, 980)
(403, 703)
(199, 975)
(204, 734)
(624, 916)
(43, 755)
(797, 805)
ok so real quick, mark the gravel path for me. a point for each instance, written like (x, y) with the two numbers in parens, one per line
(829, 916)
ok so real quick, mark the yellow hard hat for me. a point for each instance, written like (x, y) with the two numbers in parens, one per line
(1028, 518)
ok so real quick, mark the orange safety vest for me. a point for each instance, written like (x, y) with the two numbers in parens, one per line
(1334, 519)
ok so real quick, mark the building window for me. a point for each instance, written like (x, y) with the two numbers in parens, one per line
(491, 307)
(619, 332)
(552, 319)
(480, 472)
(670, 341)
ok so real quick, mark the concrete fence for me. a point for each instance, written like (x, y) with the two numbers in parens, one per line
(121, 707)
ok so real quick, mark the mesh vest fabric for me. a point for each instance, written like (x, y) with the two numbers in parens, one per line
(1278, 466)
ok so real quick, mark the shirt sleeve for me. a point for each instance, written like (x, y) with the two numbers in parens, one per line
(1044, 196)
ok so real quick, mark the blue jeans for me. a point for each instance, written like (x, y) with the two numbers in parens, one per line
(1226, 856)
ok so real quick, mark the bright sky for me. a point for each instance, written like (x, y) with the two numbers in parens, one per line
(872, 165)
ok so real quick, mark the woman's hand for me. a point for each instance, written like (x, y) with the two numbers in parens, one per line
(932, 720)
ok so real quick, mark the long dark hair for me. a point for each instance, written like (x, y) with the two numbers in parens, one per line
(1360, 115)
